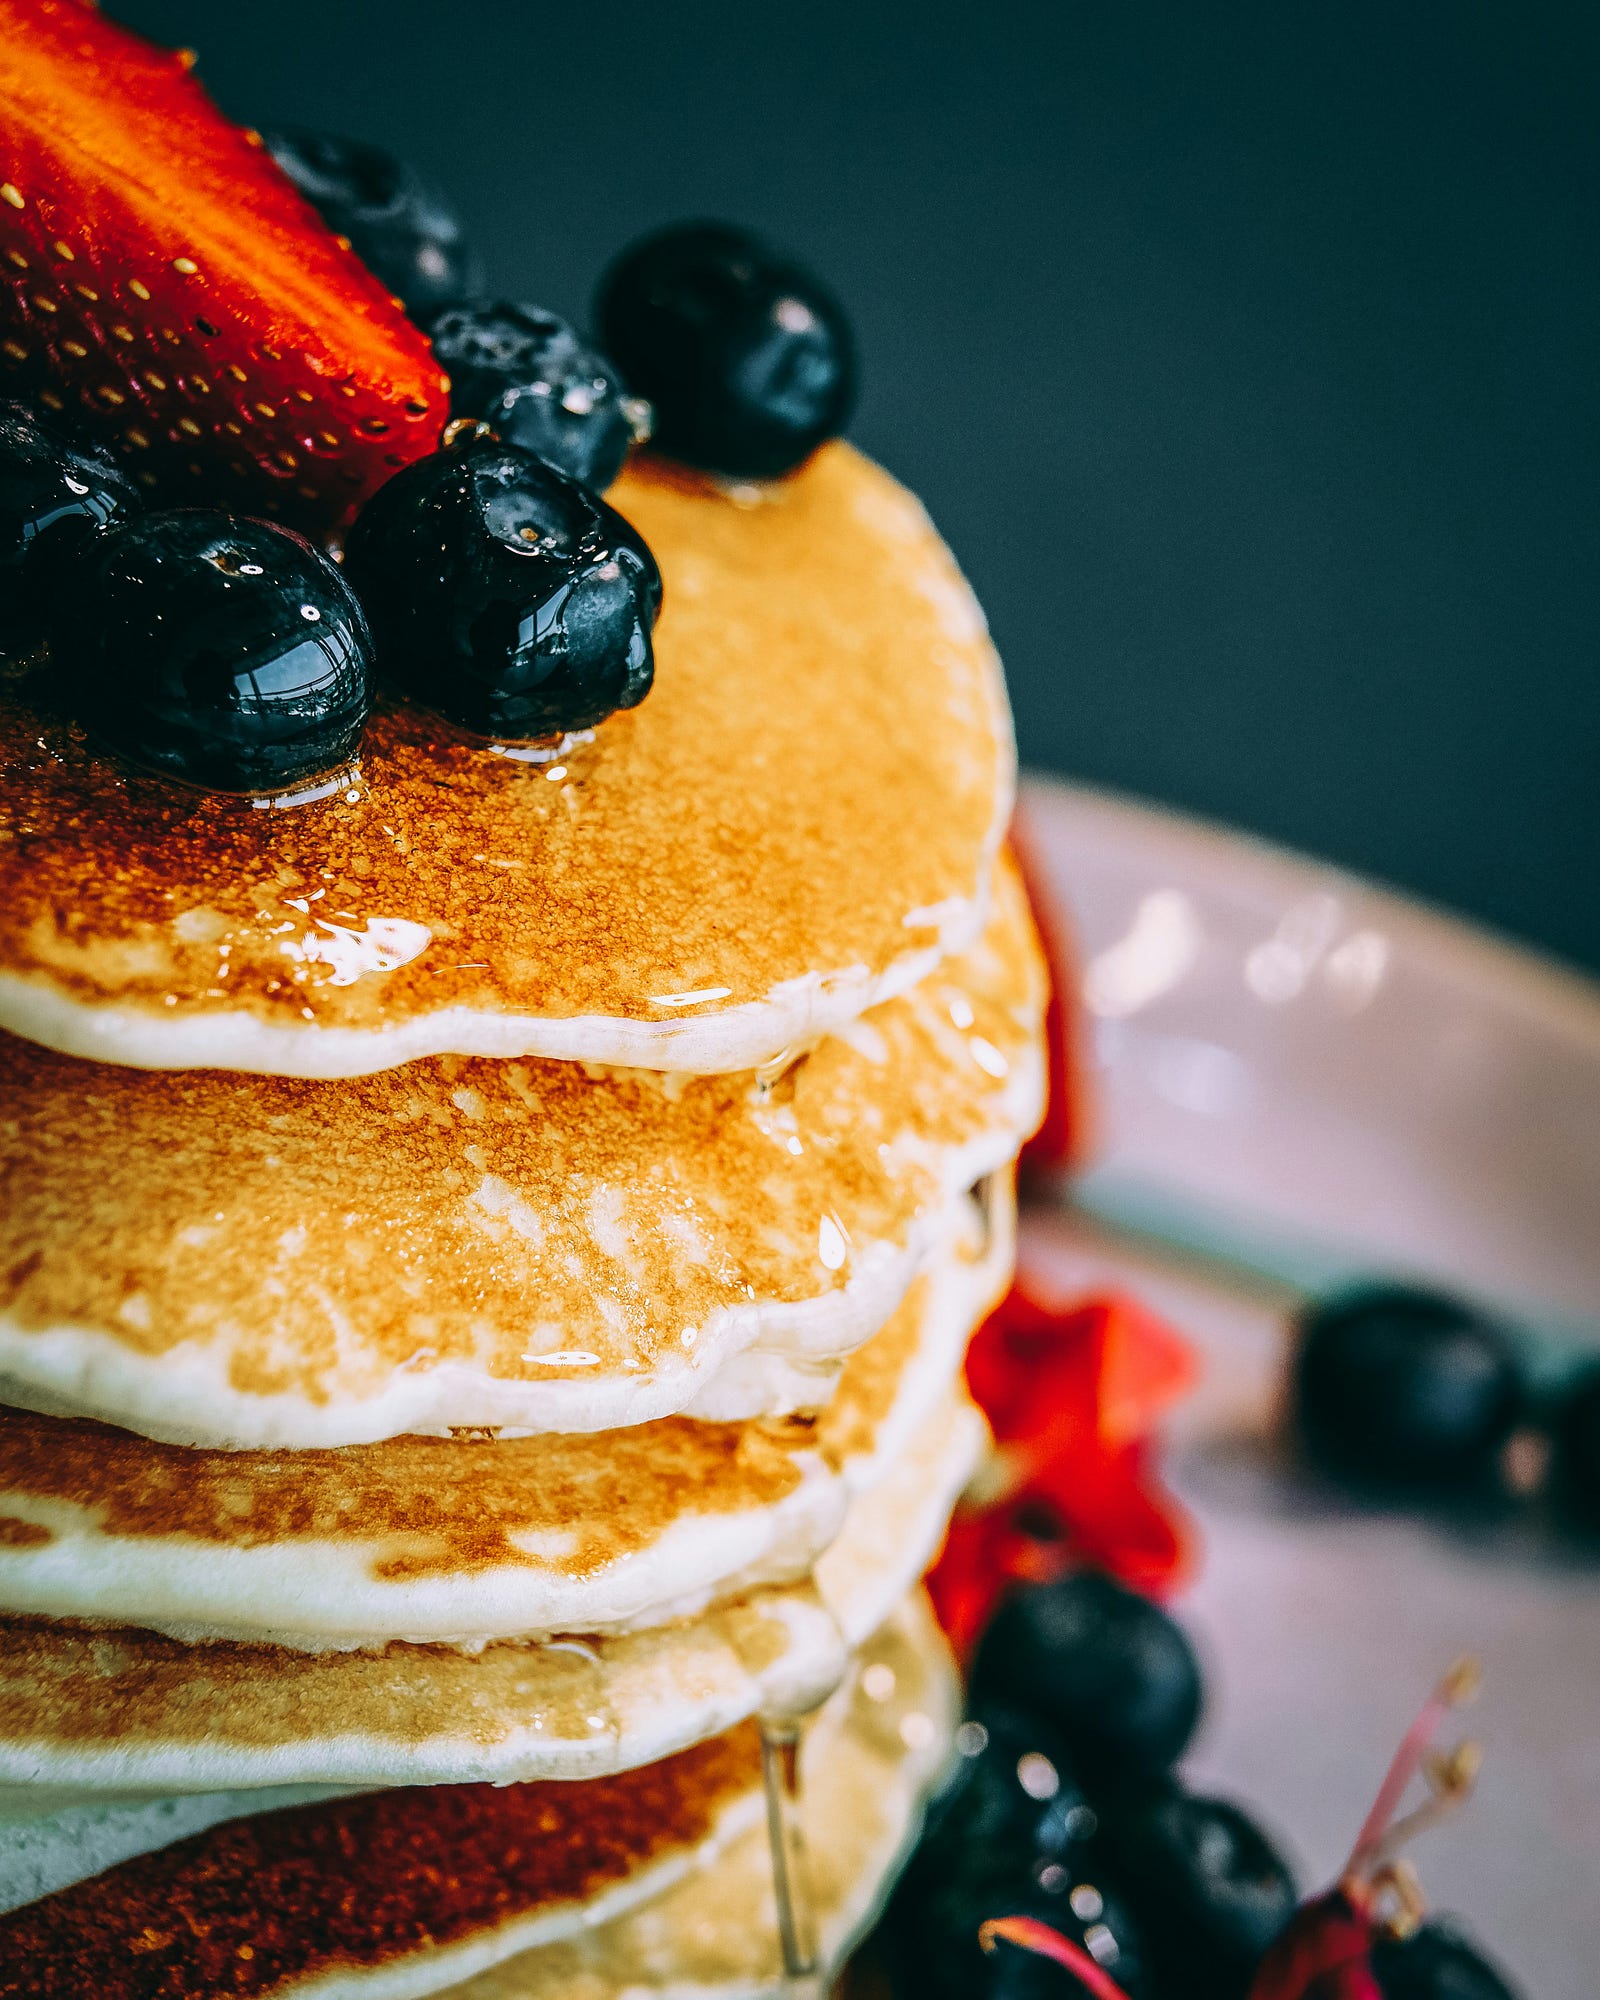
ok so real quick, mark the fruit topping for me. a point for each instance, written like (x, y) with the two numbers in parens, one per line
(53, 494)
(399, 225)
(1031, 1975)
(1111, 1671)
(505, 595)
(1575, 1470)
(1012, 1793)
(225, 652)
(1403, 1388)
(1209, 1888)
(747, 359)
(525, 373)
(1330, 1948)
(1435, 1963)
(1012, 1837)
(166, 286)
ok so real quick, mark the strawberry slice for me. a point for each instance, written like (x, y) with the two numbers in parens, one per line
(167, 287)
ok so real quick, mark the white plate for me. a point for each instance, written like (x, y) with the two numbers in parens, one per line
(1305, 1078)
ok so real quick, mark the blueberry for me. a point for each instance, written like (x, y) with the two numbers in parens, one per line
(1436, 1963)
(930, 1932)
(224, 652)
(1012, 1794)
(1575, 1468)
(1210, 1889)
(1109, 1669)
(1402, 1388)
(1012, 1834)
(505, 595)
(53, 495)
(399, 225)
(747, 359)
(525, 372)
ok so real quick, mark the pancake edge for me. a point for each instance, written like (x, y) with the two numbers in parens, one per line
(84, 1576)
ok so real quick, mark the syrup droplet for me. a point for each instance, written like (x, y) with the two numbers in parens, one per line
(780, 1778)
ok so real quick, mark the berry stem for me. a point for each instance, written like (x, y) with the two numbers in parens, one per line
(1458, 1686)
(1034, 1936)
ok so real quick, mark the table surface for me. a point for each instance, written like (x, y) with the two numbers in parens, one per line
(1322, 1626)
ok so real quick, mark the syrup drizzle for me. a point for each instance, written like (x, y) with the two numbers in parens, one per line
(780, 1779)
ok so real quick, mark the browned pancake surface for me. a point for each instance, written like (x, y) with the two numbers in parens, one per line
(821, 756)
(318, 1237)
(65, 1686)
(451, 1506)
(446, 1506)
(251, 1906)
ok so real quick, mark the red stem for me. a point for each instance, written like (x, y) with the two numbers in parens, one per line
(1034, 1936)
(1407, 1761)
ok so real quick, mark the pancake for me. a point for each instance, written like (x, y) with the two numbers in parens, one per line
(43, 1850)
(797, 824)
(395, 1894)
(466, 1541)
(892, 1534)
(710, 1937)
(90, 1713)
(124, 1715)
(223, 1260)
(344, 1891)
(770, 1379)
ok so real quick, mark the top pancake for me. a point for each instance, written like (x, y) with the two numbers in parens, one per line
(797, 823)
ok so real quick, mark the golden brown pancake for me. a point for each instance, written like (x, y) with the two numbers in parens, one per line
(711, 1935)
(345, 1890)
(406, 1890)
(797, 822)
(90, 1713)
(222, 1259)
(469, 1540)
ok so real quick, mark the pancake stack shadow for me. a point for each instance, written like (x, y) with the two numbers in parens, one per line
(485, 1267)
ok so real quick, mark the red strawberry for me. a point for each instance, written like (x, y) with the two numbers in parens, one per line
(167, 286)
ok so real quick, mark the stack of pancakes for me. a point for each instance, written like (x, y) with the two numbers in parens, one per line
(485, 1263)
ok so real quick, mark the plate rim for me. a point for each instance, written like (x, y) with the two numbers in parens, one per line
(1562, 999)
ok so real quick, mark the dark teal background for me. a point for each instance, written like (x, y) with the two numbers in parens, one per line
(1249, 355)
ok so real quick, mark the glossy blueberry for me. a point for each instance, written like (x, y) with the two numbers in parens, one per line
(747, 358)
(503, 594)
(53, 495)
(224, 652)
(1011, 1834)
(1403, 1388)
(525, 373)
(399, 225)
(1436, 1963)
(1085, 1910)
(1011, 1793)
(1107, 1668)
(931, 1930)
(1209, 1888)
(1575, 1470)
